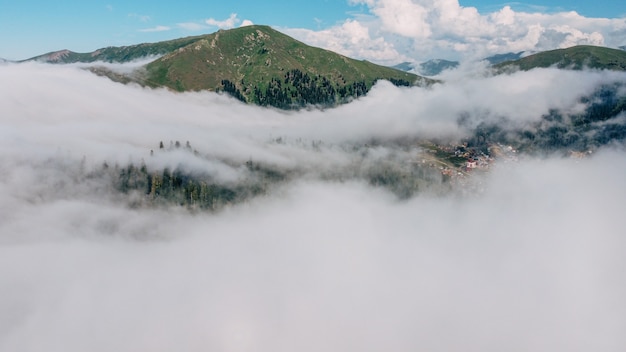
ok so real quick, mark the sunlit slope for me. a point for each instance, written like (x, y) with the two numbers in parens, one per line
(259, 64)
(576, 58)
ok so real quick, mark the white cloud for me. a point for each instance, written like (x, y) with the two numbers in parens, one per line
(536, 258)
(445, 29)
(156, 29)
(351, 39)
(246, 23)
(192, 26)
(228, 23)
(404, 17)
(387, 111)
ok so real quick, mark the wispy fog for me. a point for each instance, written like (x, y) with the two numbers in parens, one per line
(530, 259)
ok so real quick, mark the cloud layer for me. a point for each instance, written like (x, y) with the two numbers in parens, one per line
(533, 262)
(418, 30)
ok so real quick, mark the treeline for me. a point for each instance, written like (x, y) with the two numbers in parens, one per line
(176, 187)
(194, 190)
(230, 88)
(297, 89)
(202, 191)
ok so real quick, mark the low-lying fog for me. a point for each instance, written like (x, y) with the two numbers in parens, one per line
(533, 262)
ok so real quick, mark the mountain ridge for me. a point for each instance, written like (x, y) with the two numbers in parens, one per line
(500, 58)
(261, 65)
(428, 68)
(115, 54)
(576, 58)
(255, 64)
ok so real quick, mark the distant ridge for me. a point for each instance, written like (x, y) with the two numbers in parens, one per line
(500, 58)
(113, 54)
(436, 66)
(428, 68)
(574, 58)
(403, 66)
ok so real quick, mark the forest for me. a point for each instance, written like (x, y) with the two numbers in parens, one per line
(297, 89)
(395, 171)
(602, 122)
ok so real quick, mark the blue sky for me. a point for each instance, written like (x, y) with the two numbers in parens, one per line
(32, 27)
(599, 8)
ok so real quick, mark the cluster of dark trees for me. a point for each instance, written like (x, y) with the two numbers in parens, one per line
(196, 190)
(191, 189)
(230, 88)
(298, 89)
(177, 187)
(399, 82)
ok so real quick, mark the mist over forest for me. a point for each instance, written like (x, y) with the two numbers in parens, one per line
(143, 219)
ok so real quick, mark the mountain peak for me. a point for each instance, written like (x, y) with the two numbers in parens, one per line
(261, 65)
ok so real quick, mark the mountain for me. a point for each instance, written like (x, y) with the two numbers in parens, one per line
(623, 47)
(404, 66)
(576, 58)
(436, 66)
(255, 64)
(261, 65)
(499, 58)
(429, 68)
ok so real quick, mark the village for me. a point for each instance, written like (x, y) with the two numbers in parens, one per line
(458, 162)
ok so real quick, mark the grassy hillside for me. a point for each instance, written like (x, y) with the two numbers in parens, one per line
(261, 65)
(576, 58)
(255, 64)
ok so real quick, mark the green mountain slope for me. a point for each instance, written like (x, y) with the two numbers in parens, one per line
(261, 65)
(576, 58)
(255, 64)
